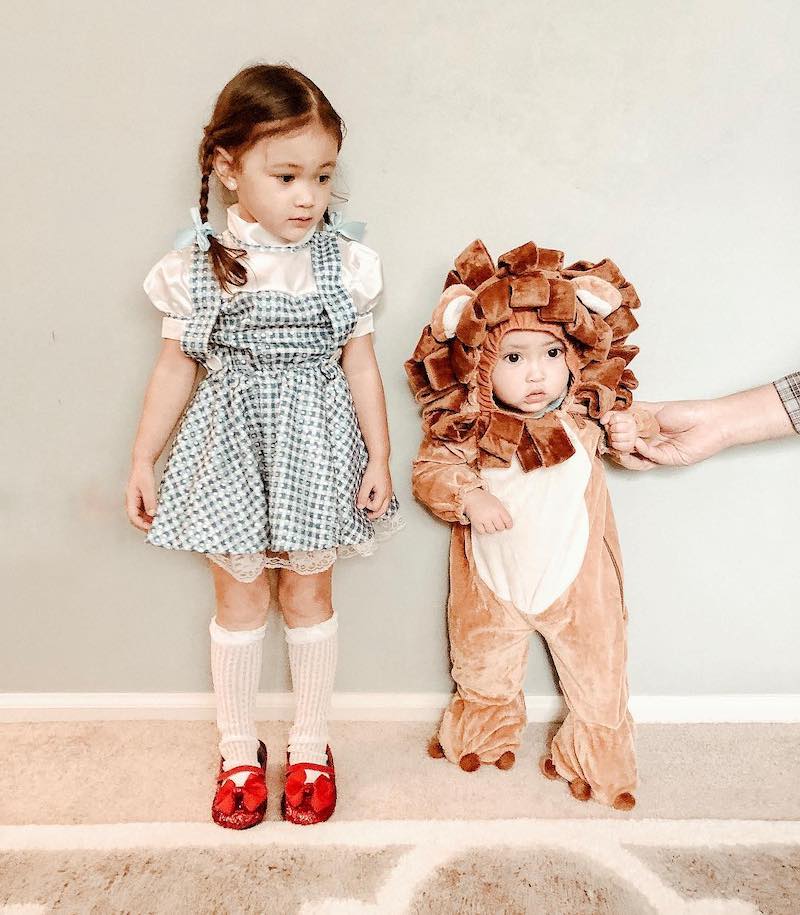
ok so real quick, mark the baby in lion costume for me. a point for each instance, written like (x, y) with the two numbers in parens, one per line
(523, 378)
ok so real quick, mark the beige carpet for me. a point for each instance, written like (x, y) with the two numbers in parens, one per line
(112, 817)
(162, 771)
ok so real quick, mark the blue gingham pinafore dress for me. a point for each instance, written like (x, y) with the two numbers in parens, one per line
(269, 456)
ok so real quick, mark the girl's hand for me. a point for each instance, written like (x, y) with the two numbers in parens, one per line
(486, 512)
(376, 489)
(140, 496)
(622, 430)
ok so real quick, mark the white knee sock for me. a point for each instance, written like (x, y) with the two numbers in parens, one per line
(236, 670)
(312, 659)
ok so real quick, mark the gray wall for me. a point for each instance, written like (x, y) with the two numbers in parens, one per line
(662, 135)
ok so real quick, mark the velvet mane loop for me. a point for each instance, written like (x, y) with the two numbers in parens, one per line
(450, 369)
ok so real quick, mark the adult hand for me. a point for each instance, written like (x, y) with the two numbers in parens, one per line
(689, 433)
(692, 430)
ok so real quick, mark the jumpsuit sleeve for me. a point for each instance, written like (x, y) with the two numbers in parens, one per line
(362, 277)
(442, 476)
(167, 287)
(647, 427)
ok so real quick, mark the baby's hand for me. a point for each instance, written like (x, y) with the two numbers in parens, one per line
(486, 512)
(622, 430)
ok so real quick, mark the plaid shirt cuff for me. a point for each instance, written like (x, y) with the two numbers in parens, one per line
(788, 389)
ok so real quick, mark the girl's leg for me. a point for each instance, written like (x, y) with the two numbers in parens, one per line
(237, 637)
(311, 626)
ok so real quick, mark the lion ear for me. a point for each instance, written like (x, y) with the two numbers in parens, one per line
(448, 312)
(597, 295)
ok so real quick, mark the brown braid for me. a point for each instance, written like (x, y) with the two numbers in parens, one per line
(259, 101)
(228, 269)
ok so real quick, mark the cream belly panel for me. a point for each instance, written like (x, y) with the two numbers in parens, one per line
(538, 559)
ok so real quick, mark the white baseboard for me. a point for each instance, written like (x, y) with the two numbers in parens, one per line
(379, 707)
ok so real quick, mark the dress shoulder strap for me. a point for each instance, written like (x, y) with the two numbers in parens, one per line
(206, 296)
(326, 261)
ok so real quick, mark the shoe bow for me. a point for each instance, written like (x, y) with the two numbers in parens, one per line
(318, 794)
(250, 796)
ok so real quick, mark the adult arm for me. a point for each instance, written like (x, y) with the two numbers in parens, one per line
(693, 430)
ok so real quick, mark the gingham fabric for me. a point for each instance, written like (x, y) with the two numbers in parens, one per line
(788, 389)
(269, 455)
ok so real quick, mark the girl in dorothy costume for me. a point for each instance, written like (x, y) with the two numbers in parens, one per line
(281, 459)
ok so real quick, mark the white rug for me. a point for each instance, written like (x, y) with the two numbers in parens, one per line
(564, 867)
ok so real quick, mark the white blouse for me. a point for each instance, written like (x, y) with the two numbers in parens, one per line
(281, 268)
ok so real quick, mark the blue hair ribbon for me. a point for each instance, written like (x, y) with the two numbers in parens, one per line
(352, 230)
(198, 233)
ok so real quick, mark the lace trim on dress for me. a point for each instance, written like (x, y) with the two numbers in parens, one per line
(246, 567)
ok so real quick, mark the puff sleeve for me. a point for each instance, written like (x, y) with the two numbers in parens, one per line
(362, 277)
(167, 287)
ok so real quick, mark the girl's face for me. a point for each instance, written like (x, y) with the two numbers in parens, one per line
(283, 182)
(531, 370)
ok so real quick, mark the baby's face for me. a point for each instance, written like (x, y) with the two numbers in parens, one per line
(531, 370)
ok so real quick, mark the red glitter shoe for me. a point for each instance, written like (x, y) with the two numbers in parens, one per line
(306, 803)
(241, 808)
